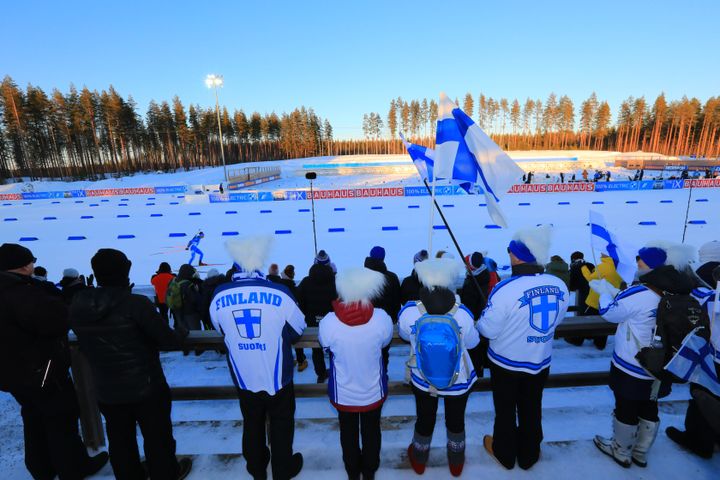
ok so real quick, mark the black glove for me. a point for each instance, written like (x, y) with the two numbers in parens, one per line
(90, 280)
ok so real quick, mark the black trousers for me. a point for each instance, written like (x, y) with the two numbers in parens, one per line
(153, 416)
(318, 359)
(50, 427)
(700, 434)
(256, 408)
(517, 398)
(353, 427)
(426, 409)
(630, 411)
(163, 309)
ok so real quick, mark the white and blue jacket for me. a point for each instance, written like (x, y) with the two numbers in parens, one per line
(260, 321)
(520, 320)
(635, 311)
(467, 376)
(706, 297)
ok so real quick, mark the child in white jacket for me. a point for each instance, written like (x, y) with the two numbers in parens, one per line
(354, 334)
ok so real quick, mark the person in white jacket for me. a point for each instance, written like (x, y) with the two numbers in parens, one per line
(520, 320)
(354, 334)
(260, 320)
(437, 277)
(635, 418)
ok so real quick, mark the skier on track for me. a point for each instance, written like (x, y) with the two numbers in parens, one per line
(193, 247)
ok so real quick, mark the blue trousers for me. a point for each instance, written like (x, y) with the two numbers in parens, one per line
(195, 250)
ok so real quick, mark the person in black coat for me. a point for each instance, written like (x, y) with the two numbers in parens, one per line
(213, 279)
(478, 275)
(34, 368)
(410, 286)
(315, 295)
(579, 285)
(120, 333)
(389, 297)
(189, 314)
(71, 283)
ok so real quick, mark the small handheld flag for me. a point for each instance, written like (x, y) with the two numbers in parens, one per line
(607, 242)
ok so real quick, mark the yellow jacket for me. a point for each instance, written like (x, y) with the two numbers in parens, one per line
(606, 270)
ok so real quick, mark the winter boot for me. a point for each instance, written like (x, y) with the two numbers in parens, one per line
(647, 432)
(202, 264)
(418, 452)
(456, 453)
(302, 365)
(488, 445)
(185, 465)
(619, 447)
(681, 438)
(296, 464)
(96, 463)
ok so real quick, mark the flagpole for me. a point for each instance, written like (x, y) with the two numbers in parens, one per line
(687, 211)
(457, 245)
(432, 213)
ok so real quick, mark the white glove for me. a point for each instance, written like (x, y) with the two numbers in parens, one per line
(603, 288)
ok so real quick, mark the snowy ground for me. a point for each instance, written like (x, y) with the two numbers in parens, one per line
(210, 430)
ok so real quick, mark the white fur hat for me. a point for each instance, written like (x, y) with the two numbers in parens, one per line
(438, 272)
(250, 253)
(359, 284)
(536, 241)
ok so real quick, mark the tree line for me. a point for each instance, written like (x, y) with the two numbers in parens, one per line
(676, 127)
(91, 134)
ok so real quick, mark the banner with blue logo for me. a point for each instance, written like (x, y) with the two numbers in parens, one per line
(615, 186)
(171, 189)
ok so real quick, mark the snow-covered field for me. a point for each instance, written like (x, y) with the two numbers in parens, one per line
(211, 430)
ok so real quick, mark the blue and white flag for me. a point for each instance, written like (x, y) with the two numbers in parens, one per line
(693, 362)
(466, 155)
(603, 240)
(422, 157)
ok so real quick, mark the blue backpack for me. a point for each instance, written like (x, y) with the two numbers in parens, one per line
(438, 348)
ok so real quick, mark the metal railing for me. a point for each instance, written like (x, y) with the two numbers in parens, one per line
(91, 421)
(251, 173)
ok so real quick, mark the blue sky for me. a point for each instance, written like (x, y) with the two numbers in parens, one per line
(348, 58)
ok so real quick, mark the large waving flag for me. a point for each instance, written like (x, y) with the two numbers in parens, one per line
(466, 155)
(607, 242)
(693, 362)
(422, 157)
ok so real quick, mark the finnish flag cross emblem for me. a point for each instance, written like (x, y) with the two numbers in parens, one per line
(248, 322)
(544, 304)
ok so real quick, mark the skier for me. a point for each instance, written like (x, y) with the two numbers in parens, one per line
(439, 370)
(193, 247)
(260, 320)
(520, 320)
(355, 333)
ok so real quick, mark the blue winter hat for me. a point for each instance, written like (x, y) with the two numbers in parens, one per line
(521, 251)
(653, 256)
(378, 253)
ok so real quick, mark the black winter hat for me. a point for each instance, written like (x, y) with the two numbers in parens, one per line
(477, 260)
(111, 268)
(14, 256)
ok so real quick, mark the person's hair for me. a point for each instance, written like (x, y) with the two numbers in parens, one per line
(40, 272)
(556, 258)
(164, 268)
(576, 256)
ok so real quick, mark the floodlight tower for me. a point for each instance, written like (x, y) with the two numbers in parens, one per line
(215, 81)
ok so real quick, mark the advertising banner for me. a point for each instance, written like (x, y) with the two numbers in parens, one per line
(439, 190)
(703, 183)
(359, 193)
(554, 187)
(171, 189)
(615, 186)
(672, 184)
(10, 196)
(108, 192)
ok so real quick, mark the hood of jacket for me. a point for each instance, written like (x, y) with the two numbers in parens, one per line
(8, 280)
(557, 266)
(668, 279)
(93, 304)
(321, 274)
(377, 265)
(353, 314)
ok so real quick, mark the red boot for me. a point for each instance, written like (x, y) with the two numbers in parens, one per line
(418, 467)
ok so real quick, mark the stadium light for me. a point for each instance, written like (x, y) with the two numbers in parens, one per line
(215, 81)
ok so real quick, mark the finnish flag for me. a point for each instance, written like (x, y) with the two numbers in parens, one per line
(468, 156)
(422, 157)
(605, 241)
(693, 362)
(248, 322)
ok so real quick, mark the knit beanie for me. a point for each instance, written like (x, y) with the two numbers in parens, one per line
(289, 272)
(420, 256)
(709, 252)
(378, 253)
(476, 260)
(71, 273)
(322, 258)
(14, 256)
(111, 268)
(653, 256)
